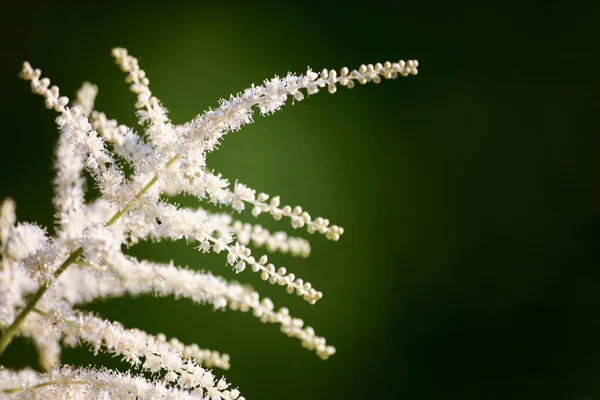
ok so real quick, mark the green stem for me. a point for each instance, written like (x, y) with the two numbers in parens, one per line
(9, 333)
(38, 311)
(129, 205)
(41, 385)
(12, 330)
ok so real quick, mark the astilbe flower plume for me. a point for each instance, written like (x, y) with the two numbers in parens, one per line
(44, 279)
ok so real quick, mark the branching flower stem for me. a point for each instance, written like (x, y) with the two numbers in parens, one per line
(12, 330)
(128, 206)
(164, 160)
(41, 385)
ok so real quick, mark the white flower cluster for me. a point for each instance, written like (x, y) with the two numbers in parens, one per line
(44, 279)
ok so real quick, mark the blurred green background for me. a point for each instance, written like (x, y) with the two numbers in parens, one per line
(470, 194)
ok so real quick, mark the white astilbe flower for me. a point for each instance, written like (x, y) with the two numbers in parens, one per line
(7, 220)
(213, 233)
(139, 349)
(43, 279)
(48, 329)
(130, 276)
(277, 241)
(86, 96)
(15, 281)
(126, 143)
(45, 337)
(24, 240)
(87, 384)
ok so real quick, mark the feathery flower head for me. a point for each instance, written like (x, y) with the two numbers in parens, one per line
(44, 280)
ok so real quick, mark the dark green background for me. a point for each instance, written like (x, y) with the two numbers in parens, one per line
(470, 194)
